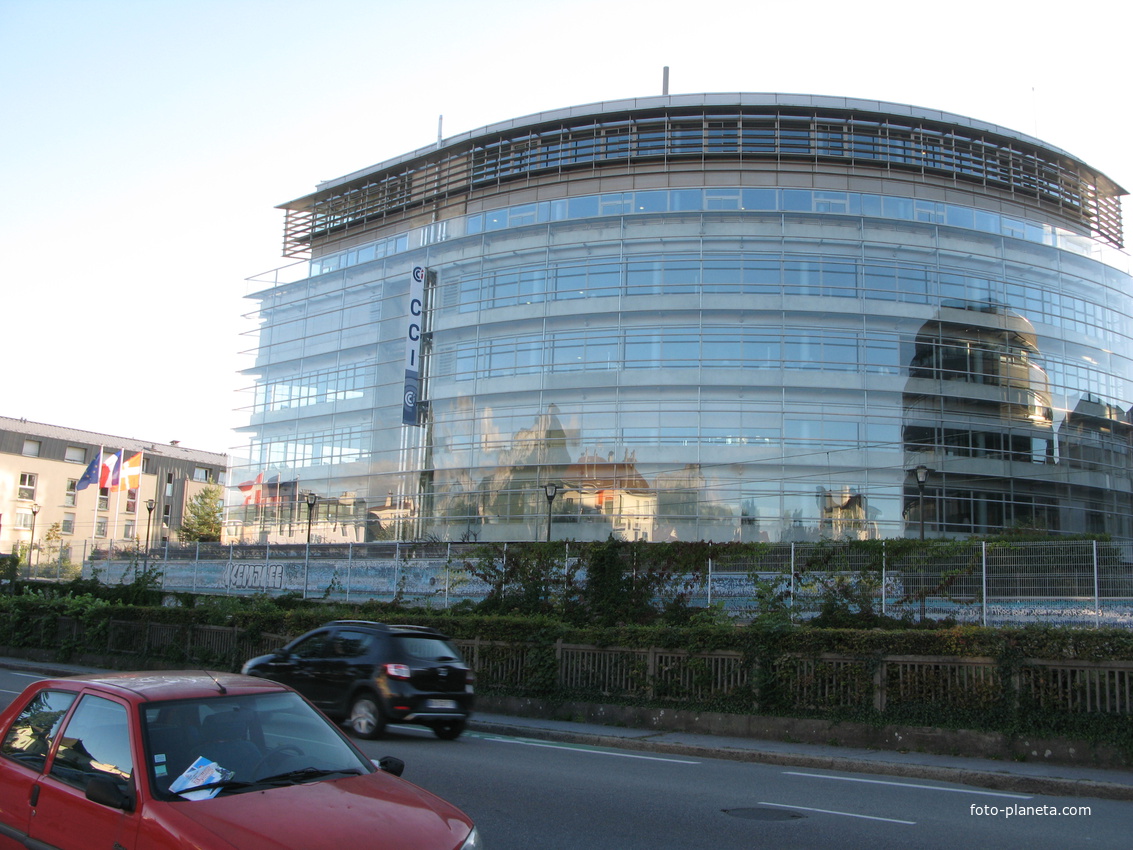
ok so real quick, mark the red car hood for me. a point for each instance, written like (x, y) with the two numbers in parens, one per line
(375, 811)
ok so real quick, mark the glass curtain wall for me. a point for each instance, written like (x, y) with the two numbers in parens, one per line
(716, 374)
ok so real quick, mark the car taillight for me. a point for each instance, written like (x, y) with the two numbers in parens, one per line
(397, 671)
(469, 677)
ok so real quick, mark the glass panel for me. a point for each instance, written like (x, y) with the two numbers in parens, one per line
(33, 732)
(96, 742)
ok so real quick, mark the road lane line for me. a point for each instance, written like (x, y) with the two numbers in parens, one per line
(32, 676)
(912, 785)
(578, 748)
(843, 814)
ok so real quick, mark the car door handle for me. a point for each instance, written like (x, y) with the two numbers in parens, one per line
(34, 795)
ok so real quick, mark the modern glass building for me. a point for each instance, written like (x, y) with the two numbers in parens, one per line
(698, 317)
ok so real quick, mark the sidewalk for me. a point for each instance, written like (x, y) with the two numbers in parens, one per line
(1019, 777)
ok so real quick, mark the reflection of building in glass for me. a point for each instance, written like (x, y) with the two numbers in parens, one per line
(979, 399)
(602, 490)
(845, 515)
(740, 317)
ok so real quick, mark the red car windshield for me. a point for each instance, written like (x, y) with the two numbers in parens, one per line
(241, 739)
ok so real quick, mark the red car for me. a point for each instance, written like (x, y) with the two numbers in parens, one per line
(209, 761)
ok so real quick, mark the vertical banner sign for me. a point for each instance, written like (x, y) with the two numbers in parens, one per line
(413, 347)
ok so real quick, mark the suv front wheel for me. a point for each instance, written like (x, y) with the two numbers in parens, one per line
(365, 719)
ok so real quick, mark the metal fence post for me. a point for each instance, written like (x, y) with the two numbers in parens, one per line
(983, 584)
(884, 595)
(791, 598)
(1097, 594)
(709, 582)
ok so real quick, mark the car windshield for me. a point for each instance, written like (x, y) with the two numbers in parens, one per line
(242, 739)
(427, 648)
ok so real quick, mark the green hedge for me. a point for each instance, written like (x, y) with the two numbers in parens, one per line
(31, 620)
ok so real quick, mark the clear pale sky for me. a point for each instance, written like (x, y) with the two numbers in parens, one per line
(144, 144)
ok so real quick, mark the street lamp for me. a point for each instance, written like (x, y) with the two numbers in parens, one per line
(150, 505)
(922, 472)
(312, 500)
(550, 490)
(31, 545)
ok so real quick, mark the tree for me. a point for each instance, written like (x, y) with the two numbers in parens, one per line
(52, 539)
(204, 514)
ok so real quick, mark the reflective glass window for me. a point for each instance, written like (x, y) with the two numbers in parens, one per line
(651, 201)
(34, 730)
(760, 199)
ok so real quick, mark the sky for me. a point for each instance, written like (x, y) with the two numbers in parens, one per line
(144, 144)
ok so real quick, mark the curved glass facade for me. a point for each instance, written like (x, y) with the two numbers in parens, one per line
(719, 358)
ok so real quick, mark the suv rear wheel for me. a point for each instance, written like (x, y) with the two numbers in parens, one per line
(365, 719)
(449, 730)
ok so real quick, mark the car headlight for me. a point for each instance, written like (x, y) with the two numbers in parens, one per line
(472, 842)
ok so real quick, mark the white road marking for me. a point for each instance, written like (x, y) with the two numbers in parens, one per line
(579, 748)
(33, 676)
(912, 785)
(843, 814)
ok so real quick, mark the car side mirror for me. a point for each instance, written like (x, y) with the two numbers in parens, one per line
(391, 764)
(108, 792)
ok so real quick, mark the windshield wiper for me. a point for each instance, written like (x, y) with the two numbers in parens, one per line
(305, 773)
(224, 785)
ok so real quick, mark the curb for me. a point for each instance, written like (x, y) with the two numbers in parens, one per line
(995, 780)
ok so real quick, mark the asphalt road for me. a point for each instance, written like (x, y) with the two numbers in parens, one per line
(526, 793)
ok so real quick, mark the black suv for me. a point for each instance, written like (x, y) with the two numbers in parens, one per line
(370, 674)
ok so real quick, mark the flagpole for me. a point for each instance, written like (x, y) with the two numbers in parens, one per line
(97, 496)
(117, 497)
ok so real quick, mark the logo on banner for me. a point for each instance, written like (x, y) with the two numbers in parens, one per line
(413, 347)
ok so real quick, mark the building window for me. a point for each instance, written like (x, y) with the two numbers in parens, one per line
(131, 502)
(75, 454)
(128, 530)
(27, 486)
(104, 498)
(31, 448)
(71, 495)
(200, 473)
(68, 525)
(24, 518)
(166, 513)
(100, 527)
(169, 485)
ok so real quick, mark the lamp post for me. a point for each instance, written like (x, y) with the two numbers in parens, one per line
(31, 545)
(922, 472)
(312, 501)
(150, 505)
(550, 490)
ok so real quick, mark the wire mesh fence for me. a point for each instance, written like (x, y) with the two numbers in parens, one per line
(1079, 582)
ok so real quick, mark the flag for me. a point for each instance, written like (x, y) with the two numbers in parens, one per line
(111, 467)
(92, 474)
(252, 490)
(130, 477)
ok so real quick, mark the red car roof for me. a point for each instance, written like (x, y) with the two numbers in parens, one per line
(154, 685)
